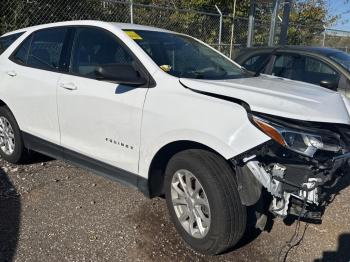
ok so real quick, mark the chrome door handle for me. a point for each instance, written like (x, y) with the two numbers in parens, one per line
(69, 86)
(11, 73)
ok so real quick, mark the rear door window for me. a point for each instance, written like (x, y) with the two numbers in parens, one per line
(6, 41)
(46, 48)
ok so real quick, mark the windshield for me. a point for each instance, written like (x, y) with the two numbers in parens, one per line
(184, 57)
(341, 58)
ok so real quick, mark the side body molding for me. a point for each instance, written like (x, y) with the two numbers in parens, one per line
(88, 163)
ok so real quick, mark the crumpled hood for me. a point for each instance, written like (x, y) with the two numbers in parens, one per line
(280, 97)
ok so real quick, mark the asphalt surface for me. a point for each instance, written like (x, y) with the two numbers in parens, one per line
(52, 211)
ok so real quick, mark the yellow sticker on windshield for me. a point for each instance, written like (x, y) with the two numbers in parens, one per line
(133, 35)
(166, 68)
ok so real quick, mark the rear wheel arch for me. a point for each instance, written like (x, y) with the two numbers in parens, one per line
(4, 104)
(11, 133)
(161, 159)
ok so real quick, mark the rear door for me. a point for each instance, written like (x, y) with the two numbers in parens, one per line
(30, 82)
(100, 119)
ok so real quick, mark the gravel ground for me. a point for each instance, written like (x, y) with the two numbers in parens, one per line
(52, 211)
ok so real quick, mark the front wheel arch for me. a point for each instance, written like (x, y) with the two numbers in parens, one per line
(161, 159)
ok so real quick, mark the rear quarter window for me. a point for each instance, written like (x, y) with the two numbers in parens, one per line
(6, 41)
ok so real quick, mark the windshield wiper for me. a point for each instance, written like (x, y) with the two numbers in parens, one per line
(208, 74)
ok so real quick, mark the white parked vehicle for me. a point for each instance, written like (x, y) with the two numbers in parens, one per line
(171, 116)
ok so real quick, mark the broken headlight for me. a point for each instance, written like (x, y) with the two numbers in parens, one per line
(306, 142)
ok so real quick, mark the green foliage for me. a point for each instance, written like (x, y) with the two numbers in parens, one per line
(307, 21)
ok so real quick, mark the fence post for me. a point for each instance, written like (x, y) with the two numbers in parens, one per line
(273, 23)
(251, 23)
(233, 27)
(285, 22)
(131, 11)
(324, 36)
(220, 29)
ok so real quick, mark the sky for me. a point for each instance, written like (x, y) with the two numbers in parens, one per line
(340, 7)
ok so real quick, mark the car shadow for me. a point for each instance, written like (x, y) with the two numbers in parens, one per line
(251, 233)
(10, 210)
(341, 254)
(35, 158)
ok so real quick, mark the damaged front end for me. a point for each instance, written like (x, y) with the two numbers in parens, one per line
(298, 169)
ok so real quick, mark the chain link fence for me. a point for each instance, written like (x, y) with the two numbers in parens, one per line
(209, 26)
(335, 38)
(202, 25)
(15, 14)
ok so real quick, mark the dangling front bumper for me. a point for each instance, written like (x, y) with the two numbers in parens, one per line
(297, 186)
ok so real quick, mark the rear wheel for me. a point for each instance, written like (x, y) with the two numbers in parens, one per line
(203, 201)
(11, 143)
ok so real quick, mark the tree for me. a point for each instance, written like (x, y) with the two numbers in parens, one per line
(307, 21)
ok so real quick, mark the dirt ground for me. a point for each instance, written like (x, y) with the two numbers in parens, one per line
(52, 211)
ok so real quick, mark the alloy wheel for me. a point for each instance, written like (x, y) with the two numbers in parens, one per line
(190, 203)
(7, 137)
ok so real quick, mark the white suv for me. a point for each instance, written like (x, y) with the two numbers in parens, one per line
(171, 116)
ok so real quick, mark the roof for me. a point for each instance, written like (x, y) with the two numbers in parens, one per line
(120, 26)
(139, 27)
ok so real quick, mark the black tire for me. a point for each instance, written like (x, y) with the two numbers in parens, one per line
(228, 215)
(18, 153)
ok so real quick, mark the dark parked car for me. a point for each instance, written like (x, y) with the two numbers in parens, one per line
(326, 67)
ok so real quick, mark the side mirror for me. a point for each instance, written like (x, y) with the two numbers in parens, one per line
(329, 84)
(121, 74)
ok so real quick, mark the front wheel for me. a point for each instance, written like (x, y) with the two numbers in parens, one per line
(203, 201)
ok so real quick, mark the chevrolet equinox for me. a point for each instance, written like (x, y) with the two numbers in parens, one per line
(171, 116)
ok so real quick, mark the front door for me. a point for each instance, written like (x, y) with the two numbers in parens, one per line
(100, 119)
